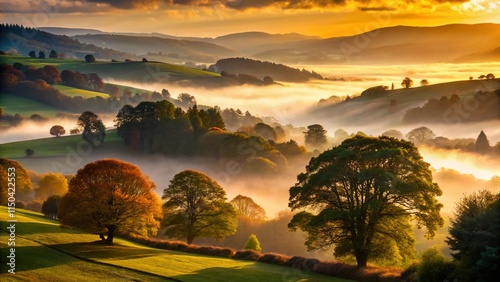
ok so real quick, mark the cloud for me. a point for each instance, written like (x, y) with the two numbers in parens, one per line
(376, 9)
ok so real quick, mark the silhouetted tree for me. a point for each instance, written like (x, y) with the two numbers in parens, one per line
(424, 82)
(490, 76)
(474, 236)
(41, 55)
(32, 54)
(247, 208)
(50, 206)
(89, 58)
(186, 99)
(53, 54)
(482, 144)
(93, 130)
(315, 136)
(57, 130)
(393, 133)
(420, 135)
(29, 152)
(361, 193)
(407, 82)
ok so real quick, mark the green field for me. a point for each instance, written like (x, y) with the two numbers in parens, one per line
(54, 146)
(146, 72)
(45, 252)
(73, 92)
(26, 107)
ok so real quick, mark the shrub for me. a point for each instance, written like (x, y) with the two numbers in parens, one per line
(435, 267)
(273, 258)
(250, 255)
(253, 243)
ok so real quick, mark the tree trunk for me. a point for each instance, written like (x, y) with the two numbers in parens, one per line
(111, 233)
(101, 235)
(190, 239)
(361, 258)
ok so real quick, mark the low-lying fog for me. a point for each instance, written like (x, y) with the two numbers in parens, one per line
(288, 103)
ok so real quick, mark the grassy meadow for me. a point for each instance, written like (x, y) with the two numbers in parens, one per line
(12, 105)
(44, 251)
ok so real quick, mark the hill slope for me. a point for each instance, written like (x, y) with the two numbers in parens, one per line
(198, 51)
(368, 109)
(23, 40)
(392, 45)
(75, 255)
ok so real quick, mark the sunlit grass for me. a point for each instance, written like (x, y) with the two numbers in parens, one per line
(42, 249)
(73, 92)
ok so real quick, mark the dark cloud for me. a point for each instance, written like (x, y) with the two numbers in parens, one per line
(128, 4)
(376, 9)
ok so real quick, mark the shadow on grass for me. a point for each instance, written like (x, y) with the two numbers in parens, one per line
(97, 250)
(253, 273)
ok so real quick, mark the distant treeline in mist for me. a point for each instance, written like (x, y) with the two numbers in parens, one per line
(22, 40)
(262, 69)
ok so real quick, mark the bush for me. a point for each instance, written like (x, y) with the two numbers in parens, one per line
(273, 258)
(435, 267)
(250, 255)
(253, 243)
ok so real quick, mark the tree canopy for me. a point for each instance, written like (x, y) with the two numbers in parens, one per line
(195, 206)
(315, 136)
(93, 128)
(51, 184)
(420, 135)
(474, 237)
(22, 180)
(57, 130)
(247, 208)
(360, 189)
(111, 195)
(407, 82)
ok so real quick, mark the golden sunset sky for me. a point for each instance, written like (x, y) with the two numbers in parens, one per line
(325, 18)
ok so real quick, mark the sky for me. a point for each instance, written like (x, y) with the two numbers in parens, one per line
(208, 18)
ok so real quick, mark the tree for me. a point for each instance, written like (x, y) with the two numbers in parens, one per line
(50, 206)
(482, 144)
(8, 168)
(361, 190)
(89, 58)
(265, 131)
(490, 76)
(268, 80)
(195, 206)
(29, 152)
(407, 82)
(393, 133)
(186, 99)
(51, 184)
(41, 55)
(93, 131)
(32, 54)
(253, 243)
(473, 235)
(247, 208)
(420, 135)
(53, 54)
(315, 136)
(424, 82)
(109, 196)
(57, 130)
(74, 131)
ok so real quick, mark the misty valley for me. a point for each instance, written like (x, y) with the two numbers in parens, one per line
(277, 156)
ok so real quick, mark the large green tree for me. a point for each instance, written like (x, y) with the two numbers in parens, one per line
(474, 237)
(356, 193)
(108, 196)
(93, 131)
(196, 206)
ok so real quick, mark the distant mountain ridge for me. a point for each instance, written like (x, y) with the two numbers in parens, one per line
(388, 45)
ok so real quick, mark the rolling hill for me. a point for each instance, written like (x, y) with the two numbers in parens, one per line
(368, 109)
(198, 51)
(76, 254)
(23, 40)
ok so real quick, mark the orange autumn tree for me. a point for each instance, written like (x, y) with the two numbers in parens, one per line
(108, 196)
